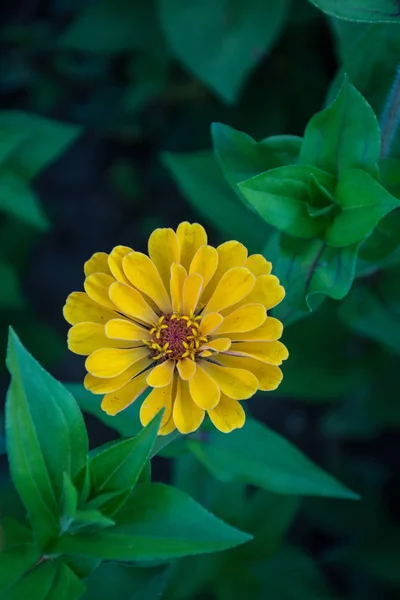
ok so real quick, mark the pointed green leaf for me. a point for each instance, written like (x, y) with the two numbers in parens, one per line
(125, 582)
(202, 182)
(116, 467)
(85, 521)
(66, 585)
(363, 202)
(46, 436)
(18, 200)
(371, 11)
(281, 197)
(242, 158)
(157, 522)
(222, 42)
(256, 455)
(344, 136)
(36, 584)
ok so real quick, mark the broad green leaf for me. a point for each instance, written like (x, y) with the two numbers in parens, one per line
(120, 26)
(281, 197)
(47, 140)
(116, 467)
(363, 202)
(11, 294)
(242, 158)
(384, 11)
(256, 455)
(157, 522)
(310, 267)
(374, 312)
(125, 582)
(222, 41)
(66, 585)
(201, 180)
(18, 553)
(36, 584)
(344, 136)
(46, 437)
(18, 200)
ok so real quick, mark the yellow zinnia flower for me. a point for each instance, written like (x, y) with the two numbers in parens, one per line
(189, 321)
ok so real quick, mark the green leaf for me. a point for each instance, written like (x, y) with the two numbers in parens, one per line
(125, 582)
(202, 182)
(11, 295)
(66, 585)
(18, 554)
(120, 26)
(157, 522)
(242, 158)
(310, 267)
(371, 11)
(46, 437)
(384, 240)
(344, 136)
(18, 200)
(363, 202)
(11, 139)
(116, 467)
(85, 521)
(256, 455)
(221, 42)
(36, 584)
(47, 140)
(281, 197)
(389, 170)
(374, 312)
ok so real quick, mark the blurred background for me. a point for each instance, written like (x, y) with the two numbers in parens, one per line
(99, 91)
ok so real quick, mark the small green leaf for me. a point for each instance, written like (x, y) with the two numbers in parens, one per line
(85, 521)
(116, 467)
(256, 455)
(281, 196)
(242, 158)
(202, 182)
(221, 42)
(18, 200)
(344, 136)
(66, 585)
(46, 437)
(310, 267)
(125, 582)
(363, 202)
(157, 522)
(371, 11)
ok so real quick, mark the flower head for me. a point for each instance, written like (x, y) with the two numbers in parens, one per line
(189, 321)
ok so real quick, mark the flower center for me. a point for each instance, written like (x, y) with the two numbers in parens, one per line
(176, 337)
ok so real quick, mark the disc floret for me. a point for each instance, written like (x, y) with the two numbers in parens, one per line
(176, 337)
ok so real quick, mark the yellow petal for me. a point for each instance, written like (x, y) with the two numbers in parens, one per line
(97, 286)
(269, 376)
(132, 303)
(203, 389)
(210, 322)
(167, 428)
(80, 308)
(164, 251)
(115, 262)
(192, 287)
(122, 329)
(244, 318)
(85, 338)
(234, 285)
(190, 237)
(235, 383)
(218, 345)
(228, 415)
(98, 263)
(114, 402)
(186, 368)
(266, 291)
(230, 254)
(158, 399)
(258, 265)
(269, 331)
(98, 385)
(205, 263)
(143, 274)
(161, 375)
(110, 362)
(178, 276)
(186, 414)
(272, 353)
